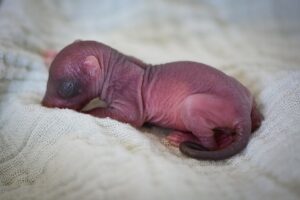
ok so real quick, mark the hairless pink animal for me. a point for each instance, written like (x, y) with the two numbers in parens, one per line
(212, 114)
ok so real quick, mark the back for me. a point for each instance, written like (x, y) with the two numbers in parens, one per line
(166, 86)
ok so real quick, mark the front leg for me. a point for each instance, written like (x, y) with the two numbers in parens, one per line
(114, 114)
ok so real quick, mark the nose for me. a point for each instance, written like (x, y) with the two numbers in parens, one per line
(47, 103)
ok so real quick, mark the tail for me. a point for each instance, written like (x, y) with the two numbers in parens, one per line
(243, 131)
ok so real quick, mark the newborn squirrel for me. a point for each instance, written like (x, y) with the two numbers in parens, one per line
(211, 114)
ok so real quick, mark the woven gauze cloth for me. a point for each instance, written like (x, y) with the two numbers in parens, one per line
(63, 154)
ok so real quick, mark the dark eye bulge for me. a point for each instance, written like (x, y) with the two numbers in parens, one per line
(68, 89)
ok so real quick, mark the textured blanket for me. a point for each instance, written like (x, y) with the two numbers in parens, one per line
(62, 154)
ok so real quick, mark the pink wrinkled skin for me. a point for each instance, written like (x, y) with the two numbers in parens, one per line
(212, 114)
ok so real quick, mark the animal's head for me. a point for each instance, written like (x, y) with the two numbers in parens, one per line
(73, 77)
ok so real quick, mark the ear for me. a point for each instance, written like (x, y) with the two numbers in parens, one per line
(91, 66)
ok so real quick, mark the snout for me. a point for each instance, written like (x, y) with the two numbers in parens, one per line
(47, 103)
(54, 103)
(51, 102)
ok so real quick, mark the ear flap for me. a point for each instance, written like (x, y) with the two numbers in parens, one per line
(91, 65)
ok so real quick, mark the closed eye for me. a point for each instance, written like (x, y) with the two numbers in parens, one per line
(68, 88)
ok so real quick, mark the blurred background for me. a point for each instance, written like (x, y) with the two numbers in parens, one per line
(211, 31)
(62, 154)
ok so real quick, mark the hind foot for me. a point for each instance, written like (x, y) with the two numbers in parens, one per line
(175, 138)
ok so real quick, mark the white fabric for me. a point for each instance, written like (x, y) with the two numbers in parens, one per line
(62, 154)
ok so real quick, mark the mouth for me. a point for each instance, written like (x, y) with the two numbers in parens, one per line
(53, 104)
(47, 104)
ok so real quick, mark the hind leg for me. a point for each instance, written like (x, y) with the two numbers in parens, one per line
(205, 135)
(201, 127)
(206, 116)
(175, 138)
(223, 137)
